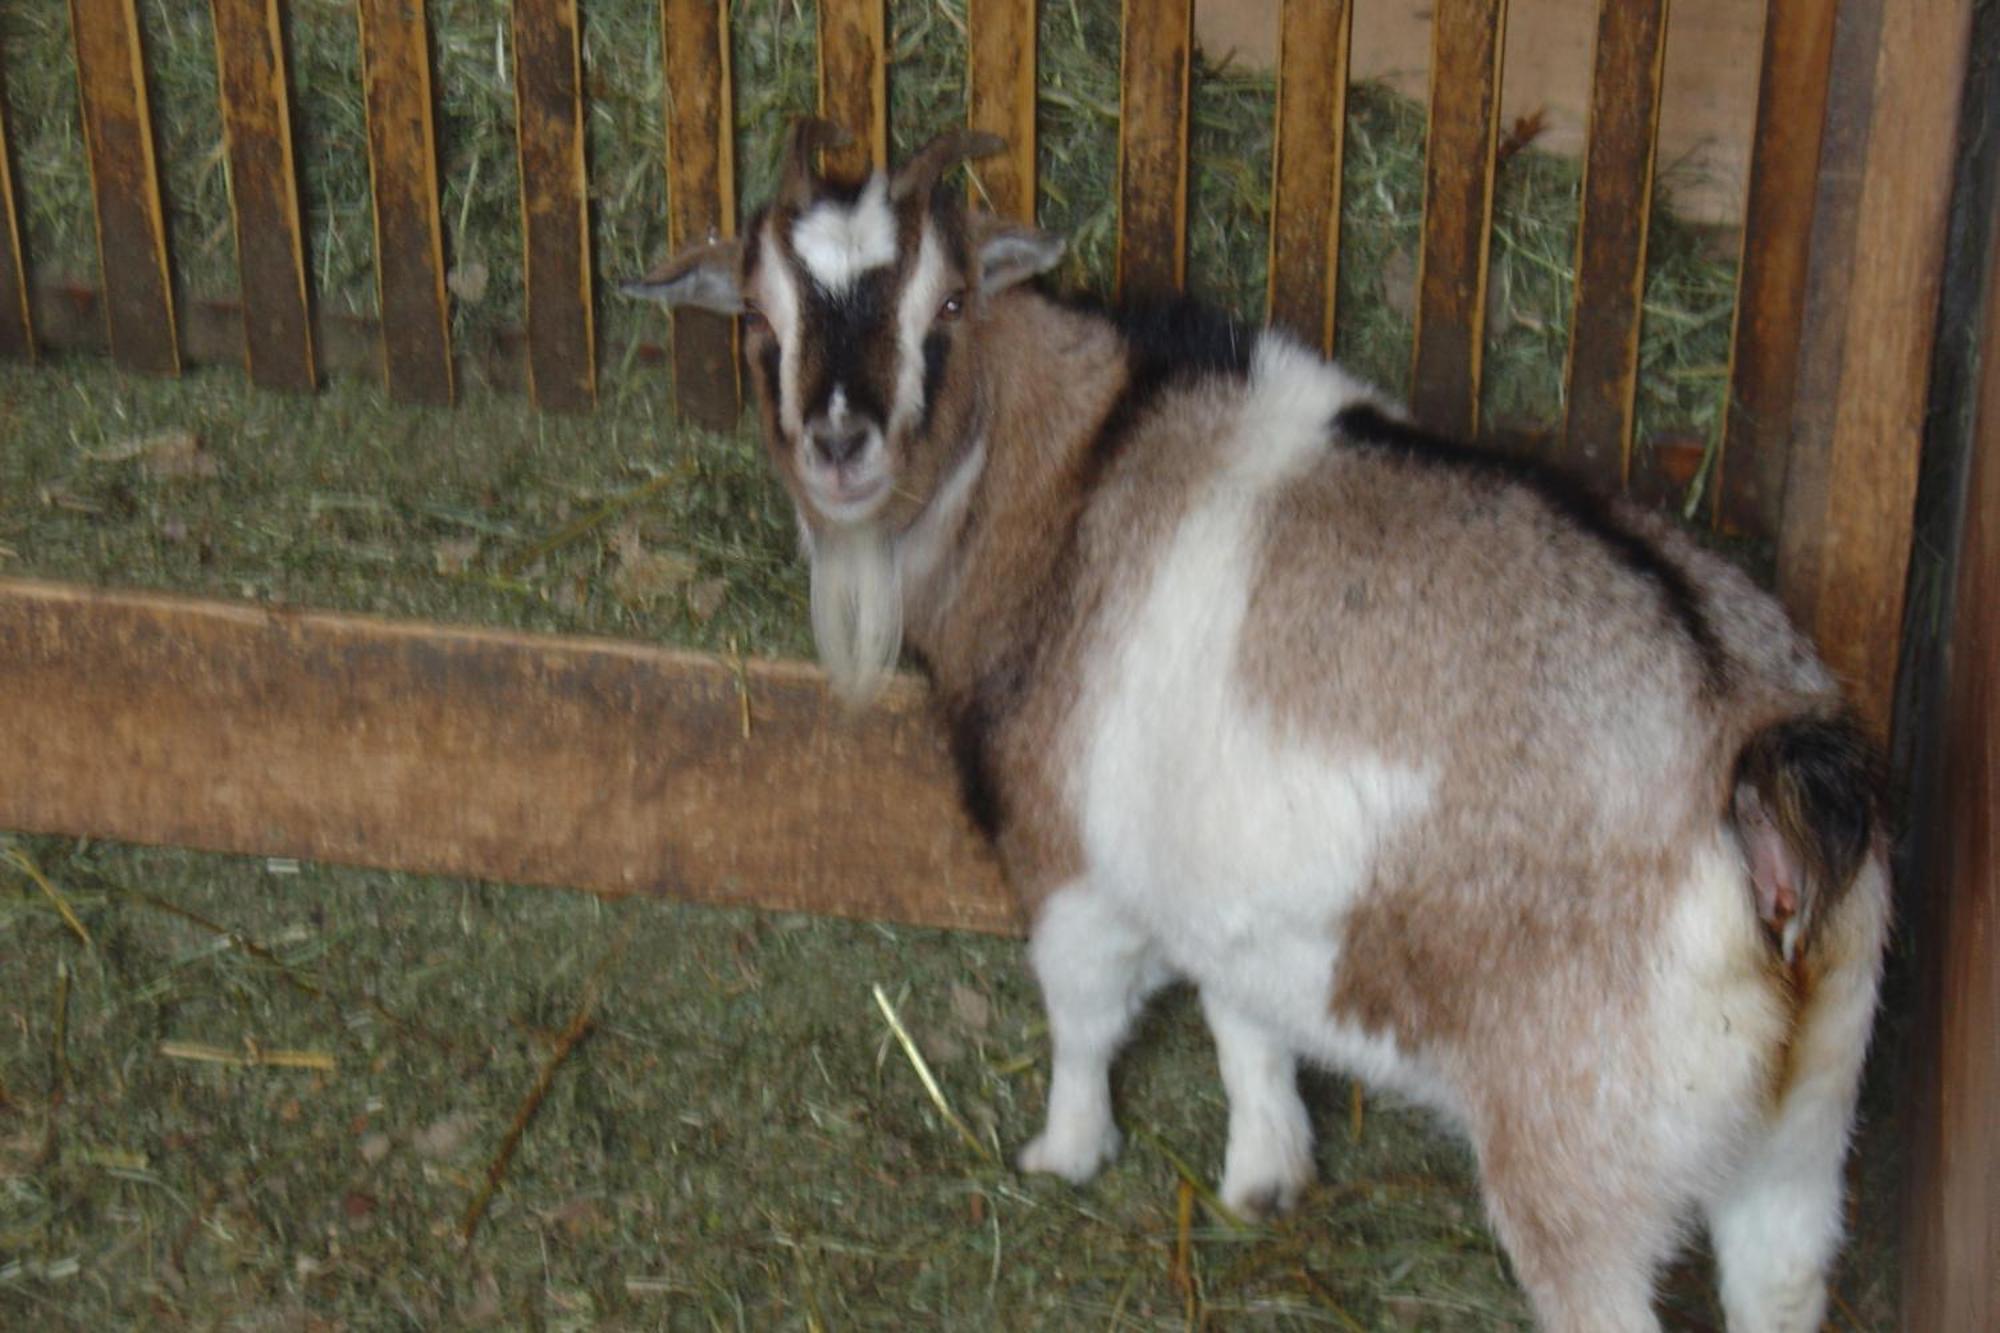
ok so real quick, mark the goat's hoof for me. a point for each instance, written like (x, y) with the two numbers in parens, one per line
(1076, 1157)
(1260, 1195)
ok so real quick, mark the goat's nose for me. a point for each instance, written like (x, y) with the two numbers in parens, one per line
(839, 444)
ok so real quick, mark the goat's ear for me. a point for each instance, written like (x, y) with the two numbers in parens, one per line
(1010, 252)
(707, 276)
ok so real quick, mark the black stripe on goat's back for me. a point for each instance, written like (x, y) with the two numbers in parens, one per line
(1169, 341)
(1369, 428)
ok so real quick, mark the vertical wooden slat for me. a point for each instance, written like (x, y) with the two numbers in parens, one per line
(1153, 145)
(701, 195)
(1770, 294)
(17, 325)
(1002, 100)
(1951, 1280)
(1305, 192)
(125, 185)
(402, 167)
(1845, 535)
(1602, 375)
(854, 82)
(1458, 212)
(555, 206)
(264, 193)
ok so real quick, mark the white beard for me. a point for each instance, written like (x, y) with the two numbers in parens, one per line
(857, 609)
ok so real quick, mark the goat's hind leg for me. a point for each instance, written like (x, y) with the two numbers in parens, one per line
(1270, 1157)
(1096, 969)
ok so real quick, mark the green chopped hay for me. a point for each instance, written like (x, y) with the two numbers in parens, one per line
(739, 1142)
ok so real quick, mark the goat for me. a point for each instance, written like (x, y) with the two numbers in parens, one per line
(1418, 762)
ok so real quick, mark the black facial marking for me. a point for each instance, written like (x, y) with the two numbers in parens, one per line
(937, 350)
(848, 328)
(1368, 428)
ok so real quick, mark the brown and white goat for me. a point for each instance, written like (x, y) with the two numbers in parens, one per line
(1417, 762)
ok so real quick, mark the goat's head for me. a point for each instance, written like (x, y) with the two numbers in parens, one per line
(860, 301)
(862, 305)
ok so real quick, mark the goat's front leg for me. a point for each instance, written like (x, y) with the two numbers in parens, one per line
(1270, 1157)
(1096, 969)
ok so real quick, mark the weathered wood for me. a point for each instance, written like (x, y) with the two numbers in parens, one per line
(1304, 269)
(1458, 212)
(1951, 1281)
(264, 193)
(555, 205)
(1153, 145)
(402, 168)
(1602, 374)
(1749, 481)
(17, 324)
(1001, 100)
(125, 186)
(701, 196)
(1845, 536)
(590, 763)
(854, 82)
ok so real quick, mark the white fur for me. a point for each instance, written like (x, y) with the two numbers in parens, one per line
(1225, 848)
(857, 608)
(921, 550)
(777, 294)
(838, 242)
(916, 310)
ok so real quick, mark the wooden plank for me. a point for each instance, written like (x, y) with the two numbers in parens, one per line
(701, 196)
(555, 205)
(1458, 213)
(125, 186)
(1001, 100)
(1153, 145)
(1845, 536)
(854, 82)
(597, 764)
(264, 193)
(1951, 1281)
(1303, 291)
(1601, 377)
(402, 170)
(1749, 482)
(17, 324)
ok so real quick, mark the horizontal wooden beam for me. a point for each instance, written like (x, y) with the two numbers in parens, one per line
(409, 746)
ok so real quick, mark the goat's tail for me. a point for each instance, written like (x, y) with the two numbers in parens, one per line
(1807, 810)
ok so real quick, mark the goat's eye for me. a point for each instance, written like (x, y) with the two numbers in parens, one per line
(754, 320)
(953, 307)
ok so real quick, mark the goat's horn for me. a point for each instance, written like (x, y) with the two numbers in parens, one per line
(800, 176)
(940, 155)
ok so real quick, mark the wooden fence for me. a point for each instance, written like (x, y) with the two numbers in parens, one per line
(1822, 434)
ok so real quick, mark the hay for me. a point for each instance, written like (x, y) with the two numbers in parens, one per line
(738, 1144)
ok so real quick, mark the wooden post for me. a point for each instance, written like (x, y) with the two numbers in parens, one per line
(17, 325)
(125, 185)
(701, 196)
(1602, 375)
(1153, 145)
(402, 170)
(1845, 536)
(854, 82)
(1304, 270)
(264, 193)
(520, 757)
(1466, 49)
(1749, 482)
(555, 205)
(1002, 101)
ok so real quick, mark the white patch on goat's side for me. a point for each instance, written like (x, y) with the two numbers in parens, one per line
(1241, 849)
(839, 242)
(916, 310)
(857, 608)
